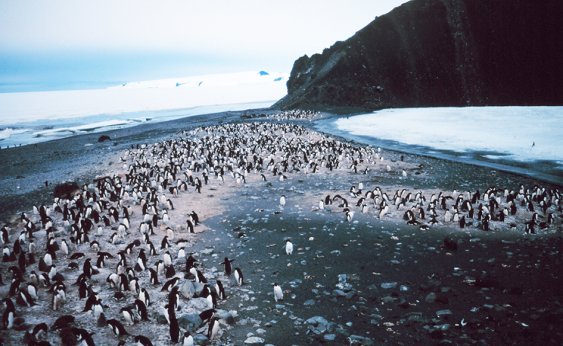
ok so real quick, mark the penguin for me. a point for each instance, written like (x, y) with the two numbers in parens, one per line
(128, 315)
(159, 266)
(97, 308)
(142, 340)
(64, 247)
(167, 259)
(95, 246)
(239, 279)
(142, 309)
(152, 249)
(213, 328)
(199, 277)
(169, 271)
(195, 217)
(188, 339)
(24, 299)
(76, 255)
(190, 262)
(83, 337)
(170, 284)
(9, 314)
(181, 253)
(164, 243)
(56, 301)
(62, 322)
(116, 327)
(134, 285)
(141, 264)
(349, 215)
(174, 326)
(113, 280)
(220, 290)
(153, 277)
(144, 297)
(288, 247)
(32, 290)
(383, 211)
(206, 315)
(190, 226)
(282, 201)
(278, 293)
(123, 282)
(88, 270)
(39, 330)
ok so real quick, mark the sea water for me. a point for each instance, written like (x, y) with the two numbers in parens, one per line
(32, 117)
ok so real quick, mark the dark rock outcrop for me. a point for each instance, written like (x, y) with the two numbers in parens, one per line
(104, 138)
(439, 53)
(66, 189)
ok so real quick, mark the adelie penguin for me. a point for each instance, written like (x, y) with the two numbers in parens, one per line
(144, 297)
(213, 328)
(128, 315)
(141, 309)
(9, 314)
(239, 279)
(199, 277)
(220, 290)
(288, 247)
(188, 339)
(278, 293)
(142, 340)
(227, 266)
(117, 328)
(153, 274)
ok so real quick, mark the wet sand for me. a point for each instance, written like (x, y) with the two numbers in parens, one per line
(401, 285)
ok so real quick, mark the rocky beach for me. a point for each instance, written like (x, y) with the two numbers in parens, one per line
(380, 253)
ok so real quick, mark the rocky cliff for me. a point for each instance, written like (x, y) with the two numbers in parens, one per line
(439, 53)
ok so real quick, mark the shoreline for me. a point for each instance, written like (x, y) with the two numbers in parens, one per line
(547, 171)
(392, 294)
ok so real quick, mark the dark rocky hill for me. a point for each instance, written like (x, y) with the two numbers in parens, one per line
(439, 53)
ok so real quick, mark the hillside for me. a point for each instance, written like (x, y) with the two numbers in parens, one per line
(439, 53)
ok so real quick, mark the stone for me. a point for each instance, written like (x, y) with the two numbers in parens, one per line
(449, 244)
(443, 313)
(359, 340)
(254, 340)
(329, 337)
(227, 316)
(104, 138)
(388, 285)
(430, 298)
(199, 304)
(66, 189)
(190, 321)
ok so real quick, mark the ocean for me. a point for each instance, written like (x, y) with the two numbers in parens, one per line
(38, 116)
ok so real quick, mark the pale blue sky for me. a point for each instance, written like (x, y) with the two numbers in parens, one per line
(58, 40)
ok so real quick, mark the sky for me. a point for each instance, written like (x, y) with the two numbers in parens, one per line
(76, 43)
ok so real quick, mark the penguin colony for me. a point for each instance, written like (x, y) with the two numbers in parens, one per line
(528, 210)
(150, 272)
